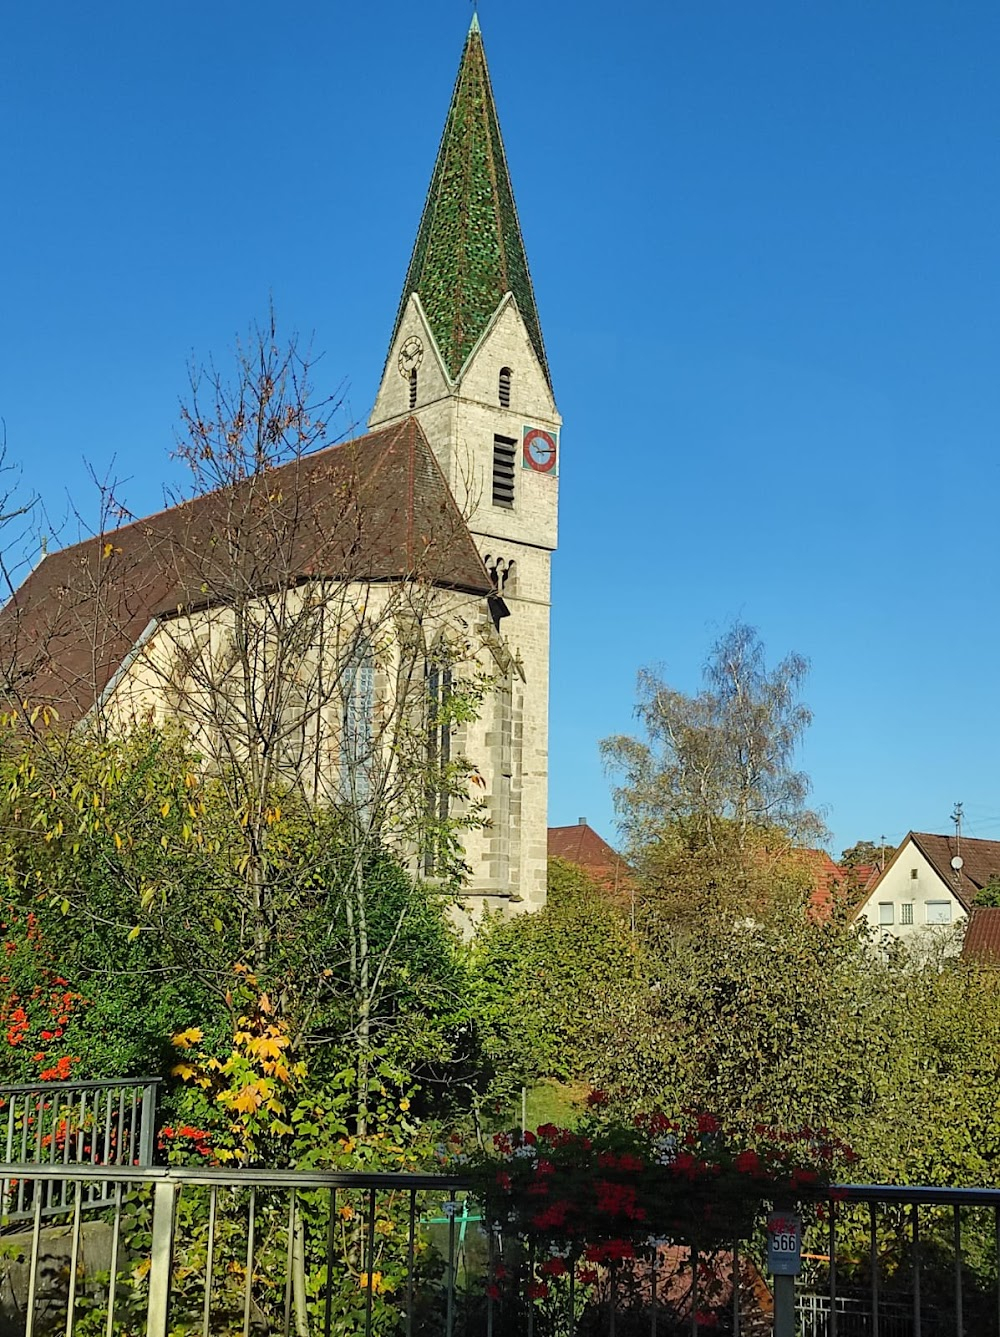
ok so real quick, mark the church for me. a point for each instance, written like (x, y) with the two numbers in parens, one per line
(325, 570)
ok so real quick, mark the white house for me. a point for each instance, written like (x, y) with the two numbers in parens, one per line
(929, 883)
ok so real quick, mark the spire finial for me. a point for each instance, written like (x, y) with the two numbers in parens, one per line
(474, 25)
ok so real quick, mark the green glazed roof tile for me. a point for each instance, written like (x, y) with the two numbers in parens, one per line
(469, 252)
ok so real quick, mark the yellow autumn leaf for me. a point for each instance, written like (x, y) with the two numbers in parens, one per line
(268, 1046)
(185, 1039)
(245, 1101)
(165, 809)
(185, 1071)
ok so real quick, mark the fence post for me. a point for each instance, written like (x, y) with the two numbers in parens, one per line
(784, 1307)
(784, 1262)
(148, 1130)
(161, 1257)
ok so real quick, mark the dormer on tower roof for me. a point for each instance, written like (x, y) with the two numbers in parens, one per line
(469, 253)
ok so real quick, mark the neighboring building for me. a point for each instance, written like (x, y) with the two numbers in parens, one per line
(454, 491)
(826, 880)
(981, 944)
(582, 846)
(921, 888)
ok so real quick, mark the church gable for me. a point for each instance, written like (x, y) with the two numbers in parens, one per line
(503, 369)
(415, 373)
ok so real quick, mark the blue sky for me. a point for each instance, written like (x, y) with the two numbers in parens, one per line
(764, 241)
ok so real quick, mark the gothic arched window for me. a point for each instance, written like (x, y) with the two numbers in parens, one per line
(357, 726)
(504, 387)
(438, 680)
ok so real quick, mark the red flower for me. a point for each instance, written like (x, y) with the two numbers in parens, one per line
(597, 1098)
(493, 1291)
(631, 1164)
(708, 1123)
(536, 1290)
(553, 1267)
(706, 1319)
(503, 1180)
(747, 1163)
(552, 1218)
(588, 1276)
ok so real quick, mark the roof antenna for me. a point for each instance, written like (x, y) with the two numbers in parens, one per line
(958, 861)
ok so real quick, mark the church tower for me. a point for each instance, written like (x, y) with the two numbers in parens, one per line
(467, 360)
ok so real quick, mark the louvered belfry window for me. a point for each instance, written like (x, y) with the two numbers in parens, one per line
(413, 388)
(504, 449)
(504, 388)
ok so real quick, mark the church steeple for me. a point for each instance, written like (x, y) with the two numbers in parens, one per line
(469, 253)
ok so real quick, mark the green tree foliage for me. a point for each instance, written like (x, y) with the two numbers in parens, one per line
(708, 797)
(990, 894)
(717, 766)
(758, 1022)
(121, 867)
(866, 853)
(541, 981)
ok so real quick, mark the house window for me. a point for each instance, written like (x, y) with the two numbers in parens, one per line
(906, 913)
(885, 915)
(913, 874)
(504, 450)
(413, 388)
(937, 912)
(504, 387)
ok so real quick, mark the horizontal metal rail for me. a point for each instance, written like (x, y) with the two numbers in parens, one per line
(238, 1178)
(112, 1083)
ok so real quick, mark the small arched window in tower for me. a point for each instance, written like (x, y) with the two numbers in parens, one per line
(505, 387)
(413, 388)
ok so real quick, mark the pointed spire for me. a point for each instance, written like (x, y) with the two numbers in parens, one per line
(469, 253)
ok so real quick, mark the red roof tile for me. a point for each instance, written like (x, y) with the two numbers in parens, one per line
(982, 935)
(581, 845)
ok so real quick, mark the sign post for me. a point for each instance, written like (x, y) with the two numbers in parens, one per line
(784, 1262)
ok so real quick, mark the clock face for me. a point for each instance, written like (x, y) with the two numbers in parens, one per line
(539, 450)
(410, 356)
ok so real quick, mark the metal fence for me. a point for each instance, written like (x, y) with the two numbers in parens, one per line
(298, 1253)
(897, 1261)
(73, 1123)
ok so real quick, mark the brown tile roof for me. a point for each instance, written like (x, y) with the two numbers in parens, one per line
(980, 862)
(581, 845)
(374, 509)
(982, 936)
